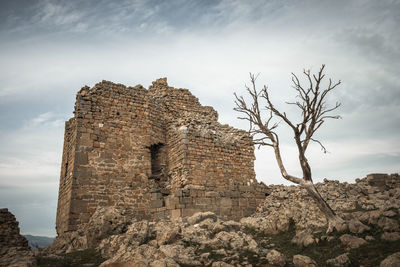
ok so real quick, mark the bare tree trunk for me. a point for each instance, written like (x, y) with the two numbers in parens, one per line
(311, 102)
(334, 221)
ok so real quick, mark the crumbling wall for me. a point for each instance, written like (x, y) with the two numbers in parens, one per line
(142, 150)
(14, 249)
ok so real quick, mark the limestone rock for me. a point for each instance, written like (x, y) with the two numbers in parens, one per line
(391, 261)
(201, 216)
(103, 223)
(236, 241)
(276, 258)
(166, 232)
(340, 261)
(393, 236)
(350, 241)
(357, 227)
(66, 243)
(303, 238)
(303, 261)
(388, 224)
(120, 244)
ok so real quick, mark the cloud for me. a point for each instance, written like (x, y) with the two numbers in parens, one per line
(50, 49)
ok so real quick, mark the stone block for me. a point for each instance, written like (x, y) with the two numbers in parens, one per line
(186, 200)
(155, 196)
(226, 202)
(176, 213)
(171, 202)
(243, 202)
(212, 194)
(156, 204)
(81, 158)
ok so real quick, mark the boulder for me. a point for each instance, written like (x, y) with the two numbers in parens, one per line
(166, 232)
(388, 224)
(303, 238)
(393, 236)
(276, 258)
(66, 243)
(303, 261)
(391, 261)
(115, 245)
(104, 222)
(357, 227)
(201, 216)
(236, 241)
(350, 241)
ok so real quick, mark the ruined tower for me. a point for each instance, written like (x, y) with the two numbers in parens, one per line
(154, 152)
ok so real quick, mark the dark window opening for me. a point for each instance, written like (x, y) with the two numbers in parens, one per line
(66, 170)
(158, 161)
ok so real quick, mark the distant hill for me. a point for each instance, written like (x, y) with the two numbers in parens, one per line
(36, 242)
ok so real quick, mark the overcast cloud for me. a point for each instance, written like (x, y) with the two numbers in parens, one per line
(50, 49)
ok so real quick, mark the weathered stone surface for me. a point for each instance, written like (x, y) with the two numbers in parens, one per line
(201, 216)
(66, 243)
(276, 258)
(393, 236)
(388, 224)
(350, 241)
(303, 238)
(391, 261)
(303, 261)
(357, 227)
(104, 222)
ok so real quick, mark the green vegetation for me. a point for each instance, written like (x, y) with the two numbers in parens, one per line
(370, 254)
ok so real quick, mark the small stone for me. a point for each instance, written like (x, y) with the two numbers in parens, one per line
(303, 261)
(340, 261)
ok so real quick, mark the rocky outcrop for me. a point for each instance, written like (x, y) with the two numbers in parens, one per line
(14, 249)
(205, 239)
(292, 203)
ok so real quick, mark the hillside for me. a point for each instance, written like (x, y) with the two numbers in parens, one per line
(36, 242)
(287, 229)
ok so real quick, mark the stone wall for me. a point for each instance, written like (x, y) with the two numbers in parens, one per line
(155, 153)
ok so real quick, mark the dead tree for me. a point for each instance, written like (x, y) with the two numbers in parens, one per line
(311, 100)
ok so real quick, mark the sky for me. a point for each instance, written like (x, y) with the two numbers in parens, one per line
(50, 49)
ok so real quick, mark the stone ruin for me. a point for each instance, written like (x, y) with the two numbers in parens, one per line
(14, 249)
(156, 153)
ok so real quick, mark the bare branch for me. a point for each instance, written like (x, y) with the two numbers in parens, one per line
(319, 142)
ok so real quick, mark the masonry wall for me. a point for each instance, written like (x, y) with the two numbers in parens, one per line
(65, 187)
(155, 153)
